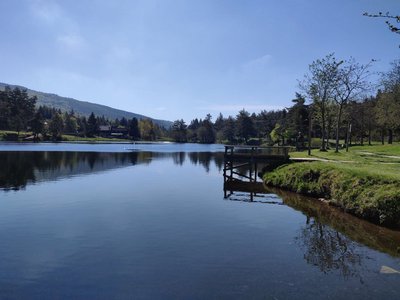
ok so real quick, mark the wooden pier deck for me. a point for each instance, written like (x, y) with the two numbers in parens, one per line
(242, 162)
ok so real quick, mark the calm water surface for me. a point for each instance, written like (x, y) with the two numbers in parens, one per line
(135, 221)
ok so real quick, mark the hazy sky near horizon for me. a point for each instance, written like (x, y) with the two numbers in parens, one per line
(172, 59)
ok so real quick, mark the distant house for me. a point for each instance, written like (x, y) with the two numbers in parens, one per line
(105, 130)
(113, 132)
(119, 132)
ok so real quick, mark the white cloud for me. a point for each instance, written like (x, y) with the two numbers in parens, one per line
(65, 29)
(257, 63)
(47, 11)
(71, 42)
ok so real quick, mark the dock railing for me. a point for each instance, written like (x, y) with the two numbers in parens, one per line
(248, 152)
(242, 162)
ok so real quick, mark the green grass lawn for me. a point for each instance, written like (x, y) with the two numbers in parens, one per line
(73, 138)
(380, 160)
(364, 181)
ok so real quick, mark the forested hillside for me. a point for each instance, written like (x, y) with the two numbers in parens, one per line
(83, 108)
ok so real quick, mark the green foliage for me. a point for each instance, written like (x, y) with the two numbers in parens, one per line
(147, 130)
(179, 131)
(83, 108)
(56, 126)
(363, 194)
(92, 126)
(17, 109)
(244, 125)
(134, 131)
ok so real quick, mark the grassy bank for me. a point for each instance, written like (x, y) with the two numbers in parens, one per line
(364, 182)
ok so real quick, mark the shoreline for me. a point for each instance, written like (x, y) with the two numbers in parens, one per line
(369, 197)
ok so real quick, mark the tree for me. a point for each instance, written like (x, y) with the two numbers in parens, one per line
(206, 132)
(56, 126)
(4, 109)
(388, 101)
(229, 130)
(389, 16)
(71, 125)
(147, 129)
(37, 124)
(134, 131)
(21, 108)
(92, 126)
(297, 116)
(179, 131)
(351, 81)
(319, 86)
(387, 111)
(123, 122)
(244, 125)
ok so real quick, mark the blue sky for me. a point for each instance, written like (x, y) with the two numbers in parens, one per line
(173, 59)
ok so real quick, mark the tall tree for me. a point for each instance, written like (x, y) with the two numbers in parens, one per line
(4, 109)
(134, 131)
(92, 126)
(229, 130)
(71, 125)
(319, 86)
(37, 124)
(206, 132)
(179, 131)
(21, 108)
(56, 126)
(147, 129)
(351, 82)
(388, 101)
(244, 125)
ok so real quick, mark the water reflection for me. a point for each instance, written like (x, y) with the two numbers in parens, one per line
(329, 238)
(19, 169)
(330, 250)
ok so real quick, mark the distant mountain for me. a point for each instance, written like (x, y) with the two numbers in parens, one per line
(82, 107)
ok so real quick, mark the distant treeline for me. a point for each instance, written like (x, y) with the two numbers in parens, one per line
(333, 105)
(18, 113)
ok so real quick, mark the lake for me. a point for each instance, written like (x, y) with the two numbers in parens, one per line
(150, 221)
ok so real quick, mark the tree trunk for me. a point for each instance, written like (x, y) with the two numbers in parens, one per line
(337, 128)
(348, 137)
(383, 136)
(390, 136)
(309, 133)
(323, 146)
(369, 136)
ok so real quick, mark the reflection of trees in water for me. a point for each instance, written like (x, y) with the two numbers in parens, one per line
(205, 158)
(363, 232)
(330, 239)
(20, 168)
(179, 158)
(329, 249)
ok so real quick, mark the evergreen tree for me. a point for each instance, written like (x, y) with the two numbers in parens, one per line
(92, 126)
(21, 108)
(244, 125)
(37, 125)
(134, 131)
(56, 126)
(179, 131)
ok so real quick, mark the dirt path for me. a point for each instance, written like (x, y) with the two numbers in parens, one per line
(300, 159)
(379, 155)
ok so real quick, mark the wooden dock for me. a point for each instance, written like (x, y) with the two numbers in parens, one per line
(241, 162)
